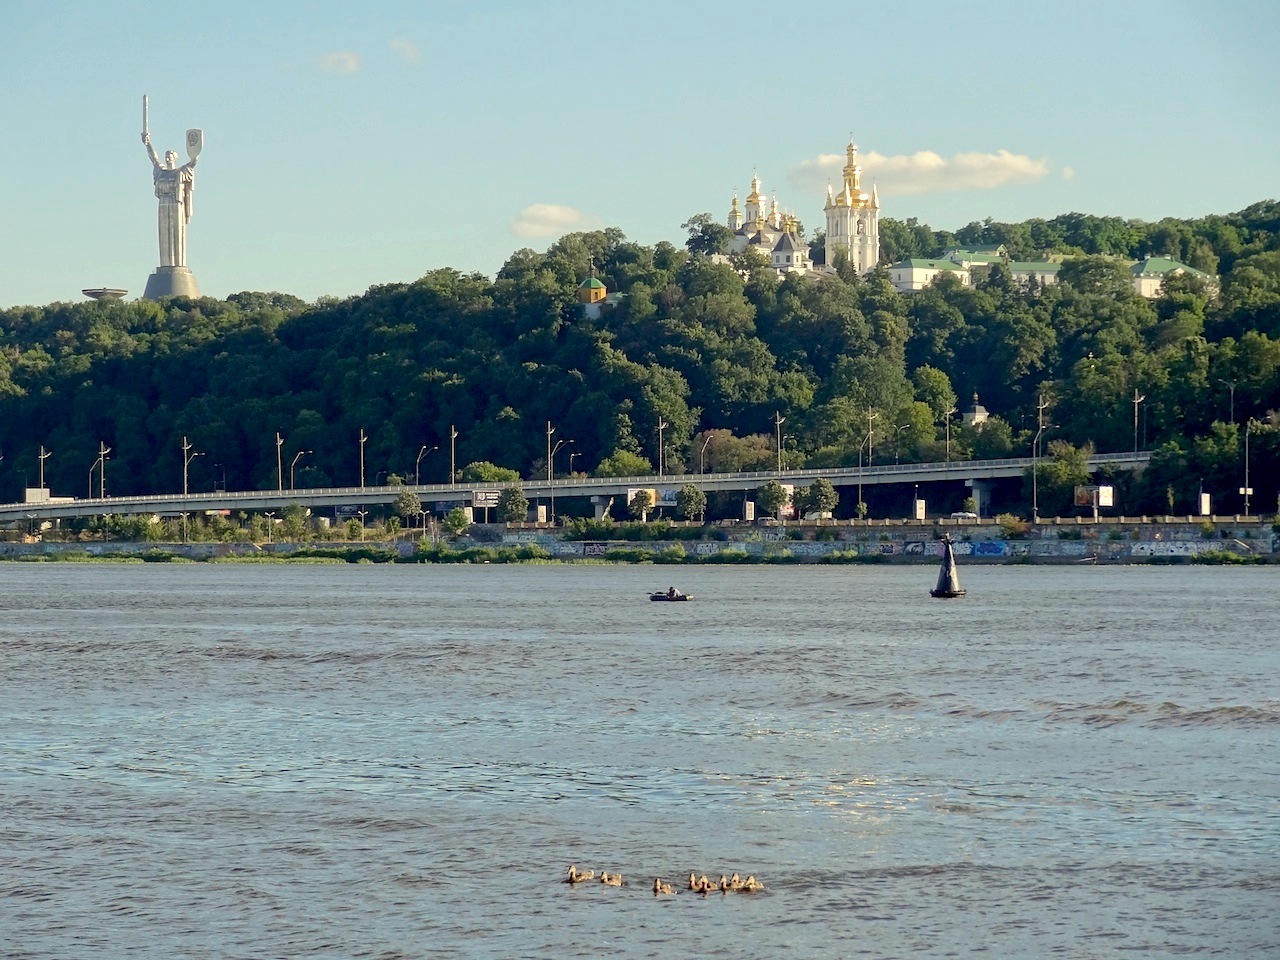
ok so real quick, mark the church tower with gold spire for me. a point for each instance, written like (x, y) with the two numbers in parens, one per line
(853, 218)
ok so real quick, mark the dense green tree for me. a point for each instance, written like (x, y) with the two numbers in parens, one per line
(640, 504)
(772, 497)
(407, 504)
(513, 505)
(820, 497)
(705, 235)
(455, 522)
(624, 463)
(691, 502)
(481, 471)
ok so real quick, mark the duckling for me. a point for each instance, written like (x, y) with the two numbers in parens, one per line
(751, 885)
(576, 876)
(723, 885)
(612, 879)
(659, 887)
(735, 882)
(693, 881)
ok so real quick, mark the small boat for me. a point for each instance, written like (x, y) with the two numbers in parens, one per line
(669, 595)
(948, 580)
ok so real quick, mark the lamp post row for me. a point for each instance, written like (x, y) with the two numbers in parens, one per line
(189, 453)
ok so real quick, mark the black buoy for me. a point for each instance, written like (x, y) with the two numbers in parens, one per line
(948, 580)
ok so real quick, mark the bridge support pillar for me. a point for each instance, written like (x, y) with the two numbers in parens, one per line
(981, 495)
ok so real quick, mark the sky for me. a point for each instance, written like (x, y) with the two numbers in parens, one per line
(350, 144)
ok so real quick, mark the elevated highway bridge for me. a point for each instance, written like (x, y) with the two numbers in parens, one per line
(261, 501)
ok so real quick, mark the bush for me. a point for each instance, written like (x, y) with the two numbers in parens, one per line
(1225, 557)
(347, 554)
(1011, 527)
(629, 555)
(852, 556)
(728, 556)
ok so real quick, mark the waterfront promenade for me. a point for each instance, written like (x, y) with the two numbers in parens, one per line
(1061, 540)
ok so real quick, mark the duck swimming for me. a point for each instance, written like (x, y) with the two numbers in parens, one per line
(577, 877)
(659, 887)
(751, 885)
(612, 879)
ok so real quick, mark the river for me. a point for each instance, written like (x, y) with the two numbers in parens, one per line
(228, 760)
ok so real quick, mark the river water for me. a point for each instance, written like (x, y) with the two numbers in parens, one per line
(212, 761)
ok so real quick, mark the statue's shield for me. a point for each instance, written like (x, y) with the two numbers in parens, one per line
(195, 142)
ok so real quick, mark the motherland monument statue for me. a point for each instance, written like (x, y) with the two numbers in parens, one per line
(174, 186)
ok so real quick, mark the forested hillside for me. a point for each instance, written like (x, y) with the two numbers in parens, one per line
(699, 354)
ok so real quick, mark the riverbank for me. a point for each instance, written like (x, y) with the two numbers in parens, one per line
(1114, 541)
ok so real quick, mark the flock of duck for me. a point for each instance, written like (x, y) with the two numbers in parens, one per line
(697, 884)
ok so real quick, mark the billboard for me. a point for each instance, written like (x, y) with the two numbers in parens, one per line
(1093, 495)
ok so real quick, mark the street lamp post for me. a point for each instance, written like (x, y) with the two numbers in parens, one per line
(572, 454)
(418, 463)
(453, 464)
(702, 454)
(1137, 399)
(1246, 489)
(103, 450)
(363, 440)
(551, 470)
(550, 430)
(867, 444)
(897, 442)
(662, 425)
(279, 463)
(43, 455)
(778, 421)
(948, 416)
(870, 416)
(188, 454)
(293, 484)
(1035, 460)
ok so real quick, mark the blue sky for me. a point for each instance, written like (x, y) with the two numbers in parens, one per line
(352, 144)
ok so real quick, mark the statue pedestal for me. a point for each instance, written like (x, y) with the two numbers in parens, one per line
(171, 282)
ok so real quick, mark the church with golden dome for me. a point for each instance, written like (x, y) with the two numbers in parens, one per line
(774, 235)
(852, 225)
(853, 218)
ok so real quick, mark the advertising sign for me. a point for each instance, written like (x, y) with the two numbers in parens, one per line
(484, 498)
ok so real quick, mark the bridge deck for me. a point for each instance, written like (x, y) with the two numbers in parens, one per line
(262, 500)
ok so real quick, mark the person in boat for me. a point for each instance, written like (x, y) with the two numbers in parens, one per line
(673, 593)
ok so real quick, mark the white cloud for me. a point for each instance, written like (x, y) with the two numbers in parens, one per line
(923, 172)
(547, 220)
(1068, 173)
(406, 50)
(340, 61)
